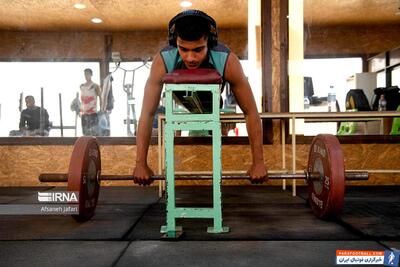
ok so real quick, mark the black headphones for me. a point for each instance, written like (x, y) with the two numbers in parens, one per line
(212, 36)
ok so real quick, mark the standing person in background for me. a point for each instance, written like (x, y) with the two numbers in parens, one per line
(89, 93)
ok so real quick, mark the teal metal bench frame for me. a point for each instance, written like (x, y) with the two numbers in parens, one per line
(187, 121)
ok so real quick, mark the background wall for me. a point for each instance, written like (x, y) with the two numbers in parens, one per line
(21, 165)
(16, 46)
(320, 41)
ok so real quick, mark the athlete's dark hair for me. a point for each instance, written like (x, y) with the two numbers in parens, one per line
(192, 25)
(192, 28)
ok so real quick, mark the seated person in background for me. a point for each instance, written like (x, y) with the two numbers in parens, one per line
(29, 123)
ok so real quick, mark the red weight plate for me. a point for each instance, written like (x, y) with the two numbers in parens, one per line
(326, 196)
(83, 173)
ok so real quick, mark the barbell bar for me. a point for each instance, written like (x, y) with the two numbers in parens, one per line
(350, 176)
(325, 176)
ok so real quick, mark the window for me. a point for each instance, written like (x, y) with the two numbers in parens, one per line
(396, 76)
(329, 75)
(327, 72)
(65, 78)
(55, 77)
(381, 79)
(128, 89)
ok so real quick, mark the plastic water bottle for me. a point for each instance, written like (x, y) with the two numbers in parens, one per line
(382, 103)
(306, 103)
(331, 99)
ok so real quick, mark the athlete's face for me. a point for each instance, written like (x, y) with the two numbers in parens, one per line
(193, 53)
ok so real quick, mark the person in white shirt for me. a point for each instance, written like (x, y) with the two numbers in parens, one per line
(89, 93)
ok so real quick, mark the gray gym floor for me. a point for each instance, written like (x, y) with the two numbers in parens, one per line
(268, 226)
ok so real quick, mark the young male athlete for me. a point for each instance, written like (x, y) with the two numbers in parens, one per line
(193, 44)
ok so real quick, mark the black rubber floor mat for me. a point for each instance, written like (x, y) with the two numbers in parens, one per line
(374, 219)
(372, 211)
(270, 221)
(110, 222)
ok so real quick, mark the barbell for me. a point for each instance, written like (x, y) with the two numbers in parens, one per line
(63, 177)
(325, 176)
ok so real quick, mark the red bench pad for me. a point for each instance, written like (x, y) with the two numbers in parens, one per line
(195, 76)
